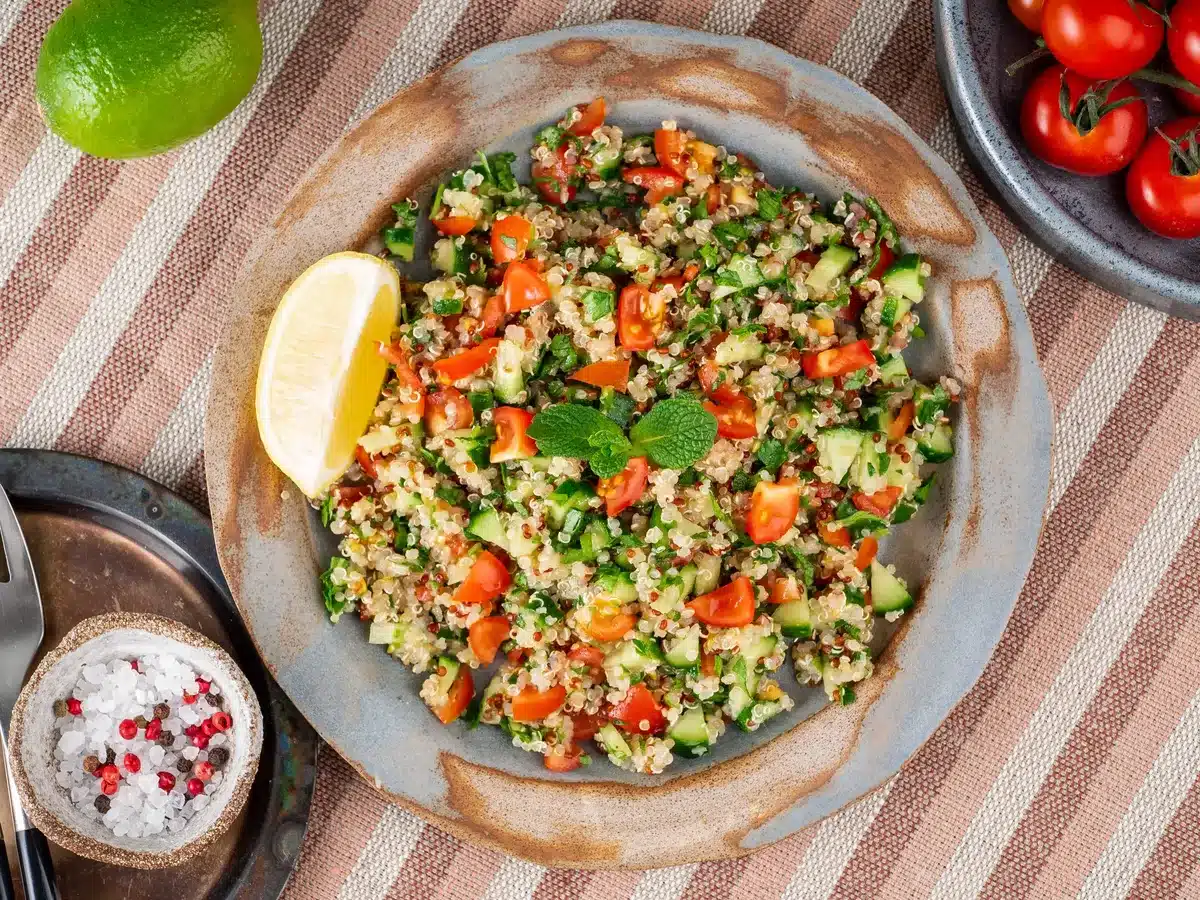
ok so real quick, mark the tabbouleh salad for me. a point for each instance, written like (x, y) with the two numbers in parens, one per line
(638, 442)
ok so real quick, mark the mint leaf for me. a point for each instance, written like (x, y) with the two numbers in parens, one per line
(609, 461)
(675, 433)
(598, 304)
(568, 429)
(772, 455)
(770, 204)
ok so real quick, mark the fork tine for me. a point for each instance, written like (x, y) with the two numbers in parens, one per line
(16, 554)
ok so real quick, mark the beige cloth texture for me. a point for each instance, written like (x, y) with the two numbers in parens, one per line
(1069, 770)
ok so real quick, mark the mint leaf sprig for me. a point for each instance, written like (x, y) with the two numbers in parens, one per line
(675, 434)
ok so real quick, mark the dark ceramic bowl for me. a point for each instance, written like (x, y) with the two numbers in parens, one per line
(1085, 222)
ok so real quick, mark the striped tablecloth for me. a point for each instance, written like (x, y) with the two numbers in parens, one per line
(1071, 768)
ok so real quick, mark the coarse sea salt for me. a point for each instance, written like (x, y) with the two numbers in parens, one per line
(120, 736)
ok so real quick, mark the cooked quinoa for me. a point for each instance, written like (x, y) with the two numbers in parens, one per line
(638, 442)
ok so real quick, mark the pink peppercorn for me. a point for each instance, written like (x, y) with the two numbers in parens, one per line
(166, 781)
(203, 770)
(108, 788)
(202, 686)
(74, 707)
(200, 741)
(132, 763)
(221, 721)
(153, 729)
(207, 728)
(128, 729)
(189, 698)
(109, 774)
(195, 787)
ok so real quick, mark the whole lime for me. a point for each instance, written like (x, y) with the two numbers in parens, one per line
(125, 78)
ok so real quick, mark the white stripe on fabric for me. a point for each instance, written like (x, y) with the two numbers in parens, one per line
(515, 878)
(155, 236)
(36, 187)
(731, 16)
(179, 443)
(945, 144)
(1174, 772)
(1103, 385)
(832, 846)
(10, 12)
(663, 884)
(415, 52)
(1076, 684)
(383, 857)
(1030, 266)
(585, 12)
(872, 26)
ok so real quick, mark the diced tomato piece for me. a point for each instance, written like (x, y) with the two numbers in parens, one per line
(834, 536)
(639, 712)
(886, 258)
(524, 287)
(486, 581)
(512, 434)
(592, 118)
(712, 199)
(349, 494)
(517, 655)
(585, 726)
(447, 410)
(879, 503)
(670, 148)
(640, 316)
(412, 399)
(838, 360)
(866, 552)
(556, 177)
(567, 761)
(904, 418)
(493, 315)
(613, 373)
(532, 705)
(720, 389)
(611, 626)
(365, 462)
(485, 636)
(510, 237)
(784, 590)
(708, 663)
(773, 509)
(466, 362)
(454, 225)
(625, 488)
(658, 181)
(736, 418)
(730, 606)
(462, 689)
(592, 657)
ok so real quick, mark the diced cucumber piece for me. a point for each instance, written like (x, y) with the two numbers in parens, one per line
(834, 263)
(401, 241)
(904, 276)
(446, 678)
(752, 655)
(486, 526)
(931, 403)
(746, 269)
(900, 473)
(740, 700)
(602, 160)
(906, 509)
(613, 743)
(802, 423)
(868, 469)
(756, 713)
(893, 372)
(888, 593)
(387, 632)
(615, 586)
(894, 309)
(837, 448)
(595, 538)
(670, 596)
(684, 653)
(690, 733)
(708, 572)
(509, 378)
(877, 418)
(688, 576)
(937, 446)
(794, 618)
(739, 348)
(450, 255)
(634, 656)
(567, 496)
(786, 245)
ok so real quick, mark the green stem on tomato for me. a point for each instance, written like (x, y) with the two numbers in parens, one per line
(1175, 81)
(1033, 57)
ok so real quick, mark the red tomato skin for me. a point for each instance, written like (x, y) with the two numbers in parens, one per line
(1167, 204)
(625, 489)
(735, 419)
(773, 509)
(454, 225)
(512, 437)
(639, 316)
(1028, 12)
(556, 179)
(1188, 100)
(659, 182)
(730, 606)
(446, 410)
(1107, 148)
(1101, 39)
(591, 118)
(567, 761)
(837, 360)
(1183, 41)
(669, 148)
(639, 706)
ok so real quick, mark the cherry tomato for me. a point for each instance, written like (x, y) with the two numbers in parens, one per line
(366, 462)
(879, 503)
(784, 590)
(1163, 186)
(524, 287)
(1097, 137)
(532, 705)
(486, 581)
(834, 535)
(887, 256)
(466, 362)
(640, 315)
(447, 410)
(639, 712)
(566, 761)
(592, 657)
(585, 726)
(1183, 39)
(899, 425)
(493, 315)
(485, 636)
(610, 626)
(669, 147)
(613, 373)
(720, 389)
(773, 509)
(731, 606)
(510, 236)
(625, 488)
(866, 553)
(838, 360)
(736, 419)
(412, 397)
(454, 225)
(1102, 39)
(512, 434)
(659, 182)
(591, 117)
(1029, 12)
(557, 177)
(458, 698)
(1187, 100)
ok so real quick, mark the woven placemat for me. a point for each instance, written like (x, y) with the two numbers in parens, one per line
(1071, 768)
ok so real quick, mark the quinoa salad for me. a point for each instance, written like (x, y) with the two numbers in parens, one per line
(639, 440)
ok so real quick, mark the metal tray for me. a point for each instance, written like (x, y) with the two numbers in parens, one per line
(105, 539)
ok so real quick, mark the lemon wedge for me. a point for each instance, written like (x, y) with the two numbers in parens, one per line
(320, 373)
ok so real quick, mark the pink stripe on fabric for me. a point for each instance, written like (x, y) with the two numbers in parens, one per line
(769, 871)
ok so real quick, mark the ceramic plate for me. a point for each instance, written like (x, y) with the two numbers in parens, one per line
(969, 550)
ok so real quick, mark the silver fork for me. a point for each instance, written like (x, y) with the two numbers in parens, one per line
(21, 630)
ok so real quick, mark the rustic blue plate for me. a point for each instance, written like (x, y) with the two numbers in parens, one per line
(969, 551)
(1085, 222)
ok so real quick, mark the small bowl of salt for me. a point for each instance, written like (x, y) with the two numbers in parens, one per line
(135, 742)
